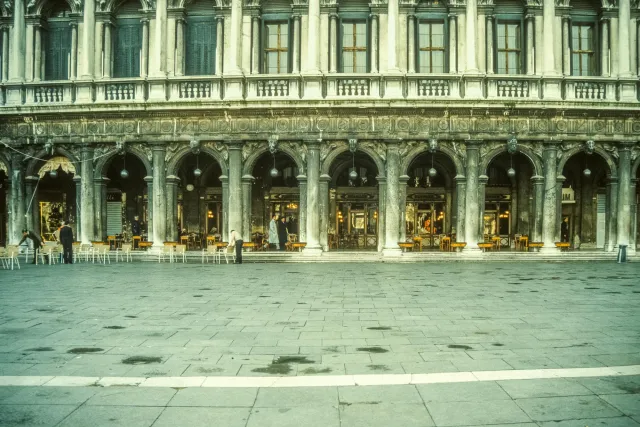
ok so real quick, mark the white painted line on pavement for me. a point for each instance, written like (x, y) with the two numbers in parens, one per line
(319, 380)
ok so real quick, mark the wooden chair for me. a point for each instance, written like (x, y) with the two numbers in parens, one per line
(135, 241)
(333, 242)
(406, 245)
(299, 246)
(485, 246)
(417, 243)
(125, 252)
(458, 246)
(445, 243)
(211, 240)
(495, 241)
(524, 243)
(535, 246)
(563, 246)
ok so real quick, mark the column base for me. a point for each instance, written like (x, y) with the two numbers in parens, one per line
(391, 252)
(317, 251)
(470, 251)
(549, 250)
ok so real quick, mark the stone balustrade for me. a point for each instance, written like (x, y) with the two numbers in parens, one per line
(334, 86)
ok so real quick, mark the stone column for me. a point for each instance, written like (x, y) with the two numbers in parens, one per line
(559, 182)
(5, 53)
(482, 187)
(87, 211)
(453, 44)
(539, 51)
(392, 204)
(74, 51)
(172, 208)
(97, 51)
(88, 39)
(538, 197)
(634, 216)
(255, 45)
(402, 206)
(159, 152)
(37, 60)
(18, 44)
(324, 211)
(448, 209)
(247, 181)
(302, 208)
(461, 189)
(548, 37)
(225, 208)
(472, 200)
(624, 20)
(587, 211)
(160, 41)
(313, 46)
(219, 44)
(382, 205)
(515, 208)
(549, 202)
(531, 67)
(104, 206)
(611, 232)
(471, 37)
(100, 208)
(524, 186)
(235, 41)
(375, 67)
(411, 23)
(613, 47)
(179, 66)
(28, 56)
(235, 186)
(490, 66)
(313, 195)
(107, 50)
(144, 56)
(171, 46)
(604, 57)
(624, 194)
(149, 181)
(566, 51)
(392, 36)
(32, 216)
(296, 44)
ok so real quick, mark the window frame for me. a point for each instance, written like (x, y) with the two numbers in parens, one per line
(57, 22)
(115, 40)
(275, 18)
(510, 19)
(424, 18)
(195, 18)
(586, 20)
(353, 18)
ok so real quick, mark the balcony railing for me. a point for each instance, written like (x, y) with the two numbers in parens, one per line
(370, 87)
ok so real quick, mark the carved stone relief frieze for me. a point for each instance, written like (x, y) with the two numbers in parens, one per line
(489, 146)
(406, 146)
(171, 150)
(248, 148)
(327, 148)
(143, 148)
(377, 147)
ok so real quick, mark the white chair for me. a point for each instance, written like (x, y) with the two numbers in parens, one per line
(210, 251)
(4, 258)
(11, 256)
(84, 250)
(125, 253)
(227, 252)
(165, 251)
(77, 255)
(180, 251)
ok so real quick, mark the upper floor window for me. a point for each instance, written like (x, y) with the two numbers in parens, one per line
(583, 49)
(128, 43)
(57, 42)
(431, 47)
(276, 47)
(200, 46)
(509, 47)
(354, 46)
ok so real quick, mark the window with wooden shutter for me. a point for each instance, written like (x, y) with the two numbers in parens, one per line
(57, 51)
(128, 47)
(200, 46)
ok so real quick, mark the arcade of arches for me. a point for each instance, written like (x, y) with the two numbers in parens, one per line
(335, 195)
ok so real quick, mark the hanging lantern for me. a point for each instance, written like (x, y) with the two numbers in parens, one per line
(353, 175)
(124, 174)
(53, 173)
(511, 172)
(586, 172)
(433, 172)
(197, 172)
(273, 172)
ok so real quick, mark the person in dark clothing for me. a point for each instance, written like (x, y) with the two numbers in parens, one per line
(282, 233)
(37, 243)
(564, 229)
(235, 241)
(66, 239)
(135, 226)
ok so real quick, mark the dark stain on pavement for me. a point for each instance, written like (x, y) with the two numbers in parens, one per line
(141, 360)
(85, 350)
(373, 349)
(459, 346)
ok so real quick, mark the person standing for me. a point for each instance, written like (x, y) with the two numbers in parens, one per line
(273, 233)
(37, 243)
(135, 226)
(282, 233)
(66, 239)
(564, 229)
(235, 240)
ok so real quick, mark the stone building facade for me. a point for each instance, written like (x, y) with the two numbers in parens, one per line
(363, 123)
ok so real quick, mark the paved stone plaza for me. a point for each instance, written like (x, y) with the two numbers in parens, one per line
(450, 344)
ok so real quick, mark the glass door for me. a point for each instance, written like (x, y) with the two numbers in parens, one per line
(357, 225)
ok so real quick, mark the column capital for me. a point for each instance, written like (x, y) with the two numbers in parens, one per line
(101, 180)
(158, 146)
(32, 179)
(325, 178)
(302, 179)
(483, 179)
(381, 179)
(86, 148)
(459, 179)
(537, 179)
(313, 143)
(551, 144)
(626, 145)
(473, 144)
(172, 180)
(612, 180)
(234, 144)
(248, 179)
(560, 179)
(148, 179)
(224, 179)
(404, 179)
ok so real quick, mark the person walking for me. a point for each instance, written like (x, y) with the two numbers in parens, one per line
(282, 233)
(273, 233)
(66, 239)
(37, 243)
(235, 240)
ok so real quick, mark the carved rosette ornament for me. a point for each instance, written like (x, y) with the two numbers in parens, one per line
(194, 146)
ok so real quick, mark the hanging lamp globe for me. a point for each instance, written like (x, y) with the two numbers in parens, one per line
(273, 172)
(53, 173)
(586, 172)
(511, 172)
(124, 174)
(197, 172)
(433, 172)
(353, 175)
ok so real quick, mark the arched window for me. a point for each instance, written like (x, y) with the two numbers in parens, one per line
(57, 41)
(200, 37)
(128, 40)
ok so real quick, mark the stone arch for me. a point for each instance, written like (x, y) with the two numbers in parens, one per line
(251, 161)
(174, 163)
(40, 155)
(448, 178)
(112, 5)
(340, 167)
(38, 6)
(326, 165)
(634, 168)
(5, 164)
(413, 154)
(536, 162)
(613, 169)
(103, 163)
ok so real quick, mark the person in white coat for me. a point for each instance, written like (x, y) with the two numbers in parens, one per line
(235, 241)
(273, 233)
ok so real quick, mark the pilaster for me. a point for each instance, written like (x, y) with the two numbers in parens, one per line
(172, 208)
(482, 188)
(402, 206)
(225, 207)
(611, 231)
(472, 200)
(538, 197)
(382, 195)
(32, 216)
(624, 194)
(247, 181)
